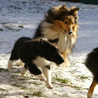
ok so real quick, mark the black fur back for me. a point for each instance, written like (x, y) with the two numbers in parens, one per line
(28, 50)
(92, 63)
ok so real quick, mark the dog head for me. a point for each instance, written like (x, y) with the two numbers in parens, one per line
(66, 26)
(64, 19)
(69, 25)
(50, 52)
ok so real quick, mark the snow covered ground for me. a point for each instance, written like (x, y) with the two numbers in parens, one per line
(20, 18)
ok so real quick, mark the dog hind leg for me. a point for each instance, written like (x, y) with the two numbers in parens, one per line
(10, 64)
(12, 59)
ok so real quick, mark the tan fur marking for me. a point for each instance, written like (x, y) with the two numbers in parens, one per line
(91, 89)
(59, 26)
(66, 62)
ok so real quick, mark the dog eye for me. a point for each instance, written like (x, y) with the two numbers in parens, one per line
(72, 23)
(66, 22)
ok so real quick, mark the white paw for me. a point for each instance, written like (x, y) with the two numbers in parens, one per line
(49, 86)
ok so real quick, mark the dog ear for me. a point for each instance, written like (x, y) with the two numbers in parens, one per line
(63, 6)
(49, 16)
(63, 9)
(74, 11)
(42, 42)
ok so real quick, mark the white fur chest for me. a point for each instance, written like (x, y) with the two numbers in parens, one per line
(65, 42)
(41, 62)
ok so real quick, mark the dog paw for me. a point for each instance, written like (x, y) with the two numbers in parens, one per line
(42, 77)
(42, 80)
(50, 87)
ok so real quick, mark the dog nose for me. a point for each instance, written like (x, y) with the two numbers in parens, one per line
(62, 60)
(70, 33)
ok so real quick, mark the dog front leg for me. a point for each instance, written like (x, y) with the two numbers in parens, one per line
(66, 60)
(47, 73)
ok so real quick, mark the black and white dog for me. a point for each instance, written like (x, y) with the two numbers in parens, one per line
(37, 55)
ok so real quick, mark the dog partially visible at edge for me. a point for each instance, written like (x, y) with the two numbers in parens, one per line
(60, 26)
(92, 64)
(37, 55)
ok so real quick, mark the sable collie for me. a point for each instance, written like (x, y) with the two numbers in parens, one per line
(60, 26)
(37, 54)
(92, 64)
